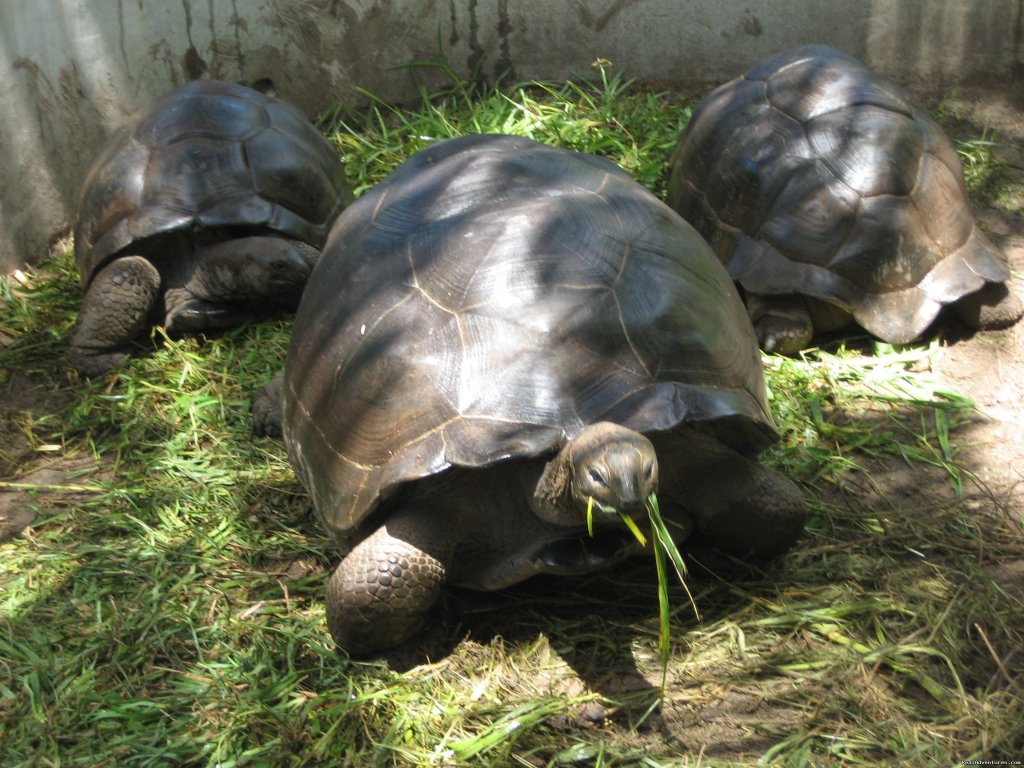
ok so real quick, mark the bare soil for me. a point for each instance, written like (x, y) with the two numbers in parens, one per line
(989, 367)
(34, 475)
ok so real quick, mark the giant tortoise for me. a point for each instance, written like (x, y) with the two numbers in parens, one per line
(498, 335)
(828, 193)
(203, 211)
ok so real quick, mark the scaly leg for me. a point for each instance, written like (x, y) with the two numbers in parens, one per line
(382, 592)
(115, 311)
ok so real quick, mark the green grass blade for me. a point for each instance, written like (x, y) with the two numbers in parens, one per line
(664, 616)
(667, 544)
(634, 529)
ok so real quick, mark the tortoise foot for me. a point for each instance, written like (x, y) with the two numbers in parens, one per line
(114, 312)
(381, 594)
(738, 504)
(91, 364)
(990, 307)
(266, 409)
(761, 515)
(768, 518)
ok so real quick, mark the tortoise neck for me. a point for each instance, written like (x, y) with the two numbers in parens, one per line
(552, 498)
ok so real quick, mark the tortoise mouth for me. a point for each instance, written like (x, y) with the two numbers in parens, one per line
(573, 555)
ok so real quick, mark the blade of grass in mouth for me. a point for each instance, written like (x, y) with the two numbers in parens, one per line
(663, 547)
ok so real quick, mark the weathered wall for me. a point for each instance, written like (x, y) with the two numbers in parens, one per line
(71, 70)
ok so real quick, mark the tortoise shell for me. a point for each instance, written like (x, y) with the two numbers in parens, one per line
(210, 155)
(813, 175)
(489, 299)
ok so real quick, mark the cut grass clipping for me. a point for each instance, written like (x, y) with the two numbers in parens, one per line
(663, 546)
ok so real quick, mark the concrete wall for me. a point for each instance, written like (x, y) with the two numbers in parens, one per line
(72, 70)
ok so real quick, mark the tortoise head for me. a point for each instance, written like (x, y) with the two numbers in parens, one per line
(615, 466)
(256, 267)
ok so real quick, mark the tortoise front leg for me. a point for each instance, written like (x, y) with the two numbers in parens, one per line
(382, 592)
(115, 311)
(736, 503)
(748, 509)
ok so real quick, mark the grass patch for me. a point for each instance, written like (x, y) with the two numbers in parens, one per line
(165, 608)
(608, 116)
(834, 406)
(982, 167)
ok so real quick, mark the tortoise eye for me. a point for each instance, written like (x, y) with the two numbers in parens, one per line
(596, 476)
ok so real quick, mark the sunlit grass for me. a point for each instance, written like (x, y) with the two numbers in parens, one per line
(165, 607)
(875, 404)
(608, 116)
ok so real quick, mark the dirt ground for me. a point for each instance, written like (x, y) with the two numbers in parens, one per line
(25, 465)
(989, 367)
